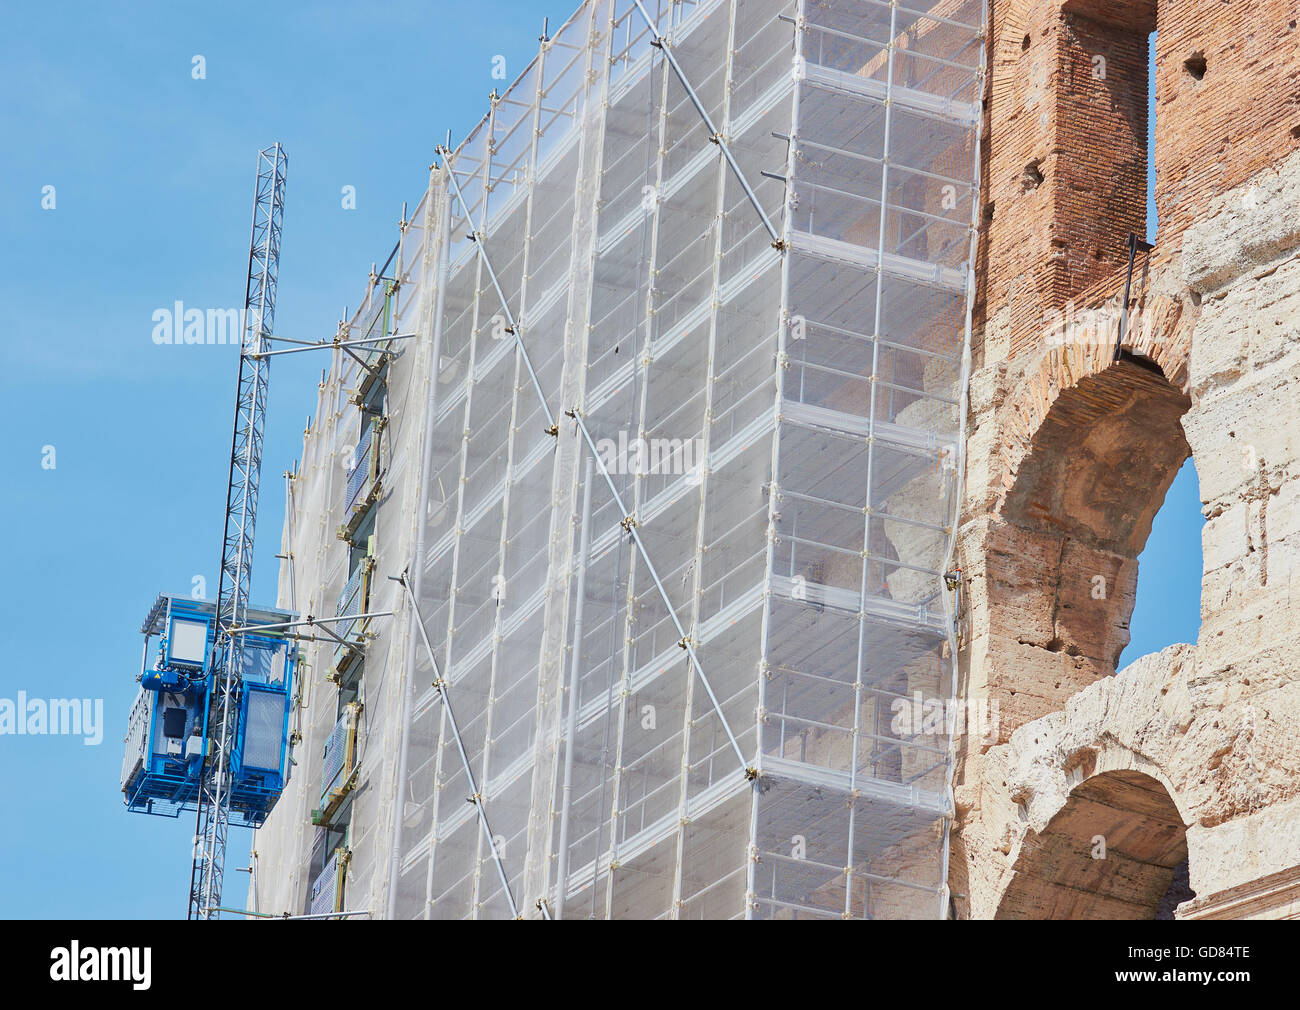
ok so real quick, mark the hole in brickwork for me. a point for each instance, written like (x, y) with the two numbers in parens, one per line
(989, 209)
(1142, 362)
(1024, 44)
(1032, 177)
(1195, 65)
(1295, 132)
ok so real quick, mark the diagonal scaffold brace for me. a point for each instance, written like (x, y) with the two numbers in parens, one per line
(715, 135)
(513, 325)
(476, 798)
(629, 523)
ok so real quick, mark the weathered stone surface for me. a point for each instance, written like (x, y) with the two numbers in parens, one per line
(1243, 230)
(1190, 754)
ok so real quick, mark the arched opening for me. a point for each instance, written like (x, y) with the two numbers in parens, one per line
(1116, 850)
(1121, 482)
(1063, 570)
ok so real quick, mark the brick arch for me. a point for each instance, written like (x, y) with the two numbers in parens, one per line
(1100, 461)
(1081, 344)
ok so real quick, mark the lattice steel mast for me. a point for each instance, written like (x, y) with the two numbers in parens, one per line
(212, 822)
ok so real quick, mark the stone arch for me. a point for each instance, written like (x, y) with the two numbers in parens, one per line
(1117, 761)
(1059, 575)
(1112, 851)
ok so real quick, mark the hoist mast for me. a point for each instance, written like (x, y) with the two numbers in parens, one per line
(213, 820)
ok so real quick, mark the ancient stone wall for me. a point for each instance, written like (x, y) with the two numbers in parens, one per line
(1183, 764)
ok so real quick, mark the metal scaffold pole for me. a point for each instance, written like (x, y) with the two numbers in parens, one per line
(476, 797)
(213, 819)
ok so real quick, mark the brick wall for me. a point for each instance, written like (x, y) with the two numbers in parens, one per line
(1066, 177)
(1242, 116)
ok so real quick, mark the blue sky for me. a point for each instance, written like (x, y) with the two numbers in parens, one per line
(1168, 607)
(152, 173)
(153, 176)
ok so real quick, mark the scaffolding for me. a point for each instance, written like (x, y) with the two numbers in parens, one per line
(699, 289)
(692, 307)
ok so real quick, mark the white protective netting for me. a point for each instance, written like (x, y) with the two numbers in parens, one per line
(785, 425)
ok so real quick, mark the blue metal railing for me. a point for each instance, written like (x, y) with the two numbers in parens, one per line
(336, 750)
(352, 601)
(325, 890)
(362, 472)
